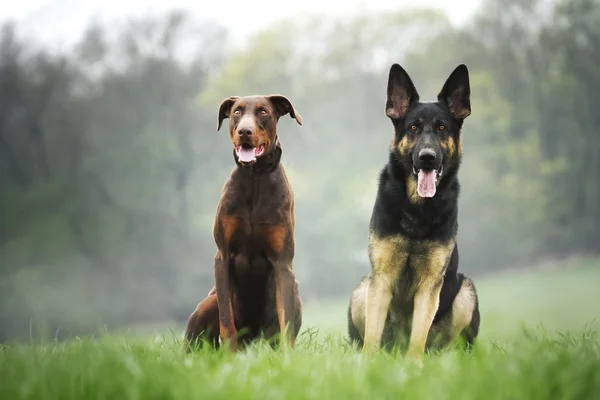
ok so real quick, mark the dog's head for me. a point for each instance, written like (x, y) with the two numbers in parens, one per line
(427, 140)
(253, 124)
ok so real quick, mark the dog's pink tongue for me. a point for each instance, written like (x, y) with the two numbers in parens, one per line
(246, 154)
(426, 183)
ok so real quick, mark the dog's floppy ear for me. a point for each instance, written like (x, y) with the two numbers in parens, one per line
(456, 93)
(225, 109)
(284, 106)
(400, 92)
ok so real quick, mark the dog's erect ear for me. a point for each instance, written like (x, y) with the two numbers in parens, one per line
(400, 93)
(225, 109)
(284, 106)
(456, 93)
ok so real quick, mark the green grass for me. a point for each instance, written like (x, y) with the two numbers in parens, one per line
(515, 357)
(541, 367)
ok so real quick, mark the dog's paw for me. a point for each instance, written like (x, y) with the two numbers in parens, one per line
(369, 351)
(415, 358)
(416, 361)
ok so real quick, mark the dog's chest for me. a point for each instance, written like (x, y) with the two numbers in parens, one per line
(409, 263)
(257, 200)
(255, 217)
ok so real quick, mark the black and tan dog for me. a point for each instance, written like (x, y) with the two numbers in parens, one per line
(255, 291)
(414, 298)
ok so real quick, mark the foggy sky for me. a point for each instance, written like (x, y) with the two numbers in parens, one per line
(61, 22)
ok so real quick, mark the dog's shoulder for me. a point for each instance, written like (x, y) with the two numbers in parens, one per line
(389, 204)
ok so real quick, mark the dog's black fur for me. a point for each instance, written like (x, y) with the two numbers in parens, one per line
(408, 230)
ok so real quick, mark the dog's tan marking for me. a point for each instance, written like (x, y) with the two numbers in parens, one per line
(405, 145)
(358, 306)
(402, 144)
(388, 255)
(463, 307)
(276, 235)
(451, 146)
(429, 261)
(229, 224)
(411, 190)
(446, 331)
(388, 259)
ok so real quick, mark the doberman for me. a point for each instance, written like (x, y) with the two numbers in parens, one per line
(255, 292)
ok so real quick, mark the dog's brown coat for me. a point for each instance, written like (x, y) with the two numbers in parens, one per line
(255, 288)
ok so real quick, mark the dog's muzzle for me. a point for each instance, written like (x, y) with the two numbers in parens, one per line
(429, 169)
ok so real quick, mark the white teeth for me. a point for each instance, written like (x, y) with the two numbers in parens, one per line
(438, 174)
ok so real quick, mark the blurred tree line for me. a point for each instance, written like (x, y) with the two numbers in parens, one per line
(111, 168)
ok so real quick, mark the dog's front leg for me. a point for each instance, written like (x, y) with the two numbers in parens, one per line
(285, 299)
(426, 302)
(377, 303)
(388, 260)
(227, 329)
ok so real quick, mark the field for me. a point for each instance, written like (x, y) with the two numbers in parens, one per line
(539, 340)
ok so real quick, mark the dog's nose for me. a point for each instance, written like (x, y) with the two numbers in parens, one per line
(427, 155)
(244, 131)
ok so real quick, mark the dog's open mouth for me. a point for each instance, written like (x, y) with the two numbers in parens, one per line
(427, 180)
(247, 153)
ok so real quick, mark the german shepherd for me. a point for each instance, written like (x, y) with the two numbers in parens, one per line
(414, 299)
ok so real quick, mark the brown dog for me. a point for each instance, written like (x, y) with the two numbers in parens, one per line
(255, 289)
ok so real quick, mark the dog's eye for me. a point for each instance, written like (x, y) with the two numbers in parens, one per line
(263, 112)
(237, 112)
(413, 128)
(442, 127)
